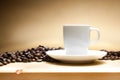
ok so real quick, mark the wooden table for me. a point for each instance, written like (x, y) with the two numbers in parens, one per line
(99, 70)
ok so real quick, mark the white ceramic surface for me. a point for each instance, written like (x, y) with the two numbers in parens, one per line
(92, 55)
(77, 38)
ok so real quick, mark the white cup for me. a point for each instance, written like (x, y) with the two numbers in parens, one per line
(77, 38)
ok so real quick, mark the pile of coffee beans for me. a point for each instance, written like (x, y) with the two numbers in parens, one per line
(111, 55)
(37, 54)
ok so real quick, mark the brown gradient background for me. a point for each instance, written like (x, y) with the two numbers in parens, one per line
(28, 23)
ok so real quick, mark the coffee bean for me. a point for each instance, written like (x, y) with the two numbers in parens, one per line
(104, 58)
(19, 60)
(116, 57)
(1, 59)
(1, 64)
(59, 48)
(115, 54)
(28, 50)
(29, 60)
(13, 60)
(40, 48)
(4, 62)
(36, 58)
(4, 55)
(46, 48)
(53, 48)
(24, 59)
(32, 49)
(103, 50)
(23, 55)
(37, 54)
(29, 56)
(33, 52)
(8, 60)
(33, 60)
(13, 56)
(39, 60)
(18, 53)
(43, 52)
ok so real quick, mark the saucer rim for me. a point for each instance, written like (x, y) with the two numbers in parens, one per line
(101, 53)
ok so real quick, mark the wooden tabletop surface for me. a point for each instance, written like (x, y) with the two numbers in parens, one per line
(99, 66)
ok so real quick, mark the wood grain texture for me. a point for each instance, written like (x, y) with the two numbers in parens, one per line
(60, 76)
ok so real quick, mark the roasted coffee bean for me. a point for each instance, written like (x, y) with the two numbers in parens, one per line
(43, 52)
(59, 48)
(115, 54)
(36, 58)
(4, 55)
(4, 59)
(28, 50)
(103, 50)
(19, 60)
(33, 52)
(37, 51)
(108, 53)
(22, 52)
(46, 48)
(32, 49)
(33, 60)
(105, 58)
(116, 57)
(22, 55)
(39, 60)
(40, 48)
(29, 60)
(13, 60)
(13, 56)
(24, 59)
(37, 54)
(1, 59)
(4, 62)
(53, 48)
(42, 56)
(26, 53)
(1, 64)
(18, 53)
(29, 56)
(8, 60)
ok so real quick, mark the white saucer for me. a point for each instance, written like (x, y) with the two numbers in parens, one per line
(92, 55)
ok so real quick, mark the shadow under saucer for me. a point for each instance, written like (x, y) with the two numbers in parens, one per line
(91, 63)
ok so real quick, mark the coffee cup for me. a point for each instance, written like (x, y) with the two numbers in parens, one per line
(77, 38)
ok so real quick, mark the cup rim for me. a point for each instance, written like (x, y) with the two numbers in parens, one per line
(76, 25)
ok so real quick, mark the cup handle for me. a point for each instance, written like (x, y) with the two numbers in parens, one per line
(98, 35)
